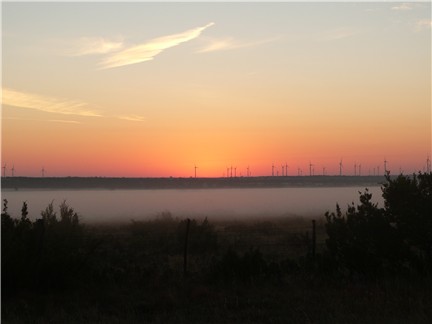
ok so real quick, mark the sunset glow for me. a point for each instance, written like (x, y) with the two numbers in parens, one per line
(153, 90)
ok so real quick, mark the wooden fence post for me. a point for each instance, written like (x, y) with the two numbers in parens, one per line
(313, 239)
(186, 248)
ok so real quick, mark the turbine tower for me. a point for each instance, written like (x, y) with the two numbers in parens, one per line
(283, 170)
(359, 167)
(286, 169)
(43, 172)
(272, 170)
(340, 168)
(428, 165)
(195, 170)
(385, 166)
(13, 170)
(4, 170)
(310, 168)
(355, 168)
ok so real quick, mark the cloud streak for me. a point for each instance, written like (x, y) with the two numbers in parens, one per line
(229, 43)
(403, 7)
(136, 118)
(46, 104)
(336, 34)
(147, 51)
(423, 24)
(93, 46)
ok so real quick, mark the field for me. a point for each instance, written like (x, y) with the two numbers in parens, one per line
(236, 272)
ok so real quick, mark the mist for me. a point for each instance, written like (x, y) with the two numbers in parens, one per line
(100, 206)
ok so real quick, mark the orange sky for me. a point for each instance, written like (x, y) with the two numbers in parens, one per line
(122, 93)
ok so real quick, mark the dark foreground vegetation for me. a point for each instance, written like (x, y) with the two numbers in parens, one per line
(367, 264)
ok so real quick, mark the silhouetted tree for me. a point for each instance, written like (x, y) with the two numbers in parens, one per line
(408, 203)
(371, 240)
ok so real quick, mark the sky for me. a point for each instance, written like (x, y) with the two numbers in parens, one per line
(157, 89)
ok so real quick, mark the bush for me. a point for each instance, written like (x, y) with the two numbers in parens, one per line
(371, 240)
(46, 253)
(408, 203)
(363, 239)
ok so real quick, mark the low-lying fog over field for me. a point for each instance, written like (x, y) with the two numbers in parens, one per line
(96, 206)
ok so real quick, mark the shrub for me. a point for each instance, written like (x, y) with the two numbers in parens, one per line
(41, 254)
(408, 203)
(371, 240)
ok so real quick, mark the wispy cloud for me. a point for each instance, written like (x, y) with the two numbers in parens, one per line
(94, 45)
(403, 6)
(64, 121)
(336, 34)
(229, 43)
(136, 118)
(147, 51)
(423, 24)
(43, 120)
(47, 104)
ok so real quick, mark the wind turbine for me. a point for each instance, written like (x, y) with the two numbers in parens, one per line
(4, 170)
(195, 170)
(340, 167)
(286, 169)
(355, 168)
(385, 166)
(428, 165)
(359, 173)
(13, 170)
(283, 170)
(43, 172)
(310, 168)
(272, 170)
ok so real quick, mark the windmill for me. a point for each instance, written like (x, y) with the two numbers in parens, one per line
(286, 169)
(43, 172)
(385, 166)
(13, 170)
(195, 170)
(323, 170)
(4, 170)
(355, 168)
(283, 170)
(235, 172)
(272, 170)
(340, 167)
(359, 168)
(428, 165)
(310, 168)
(248, 174)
